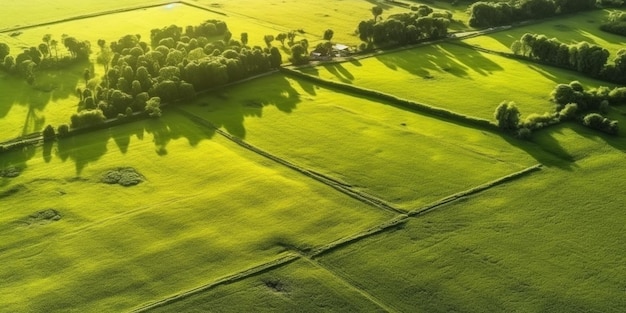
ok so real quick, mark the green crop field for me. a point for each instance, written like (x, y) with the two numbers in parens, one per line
(300, 285)
(455, 78)
(548, 242)
(280, 194)
(188, 224)
(584, 26)
(402, 157)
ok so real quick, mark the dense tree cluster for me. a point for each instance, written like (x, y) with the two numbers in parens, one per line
(582, 57)
(405, 28)
(615, 24)
(41, 57)
(489, 14)
(140, 76)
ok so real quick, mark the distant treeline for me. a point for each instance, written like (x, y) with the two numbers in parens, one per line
(405, 28)
(583, 57)
(489, 14)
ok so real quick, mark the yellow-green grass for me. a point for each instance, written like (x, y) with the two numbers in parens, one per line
(25, 109)
(549, 242)
(298, 287)
(207, 209)
(52, 99)
(343, 17)
(19, 13)
(400, 156)
(583, 26)
(455, 78)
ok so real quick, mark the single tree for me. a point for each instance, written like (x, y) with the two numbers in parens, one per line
(328, 34)
(281, 37)
(4, 50)
(507, 116)
(53, 45)
(48, 133)
(244, 39)
(86, 75)
(268, 40)
(377, 11)
(291, 37)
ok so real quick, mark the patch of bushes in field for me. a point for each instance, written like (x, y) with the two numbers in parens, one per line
(615, 24)
(497, 13)
(583, 57)
(124, 176)
(573, 103)
(422, 23)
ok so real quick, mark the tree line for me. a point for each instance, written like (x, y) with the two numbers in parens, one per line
(422, 23)
(583, 57)
(41, 57)
(616, 23)
(489, 14)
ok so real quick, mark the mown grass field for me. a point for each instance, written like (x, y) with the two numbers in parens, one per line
(456, 78)
(549, 242)
(210, 209)
(405, 158)
(584, 26)
(300, 285)
(207, 209)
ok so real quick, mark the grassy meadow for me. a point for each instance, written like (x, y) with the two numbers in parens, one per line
(549, 242)
(583, 26)
(207, 209)
(405, 158)
(301, 285)
(456, 78)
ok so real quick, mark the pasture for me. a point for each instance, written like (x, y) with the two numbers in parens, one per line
(456, 78)
(402, 157)
(267, 211)
(583, 26)
(206, 209)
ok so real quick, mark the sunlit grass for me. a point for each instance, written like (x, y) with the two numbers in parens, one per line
(583, 26)
(400, 156)
(455, 78)
(548, 242)
(207, 209)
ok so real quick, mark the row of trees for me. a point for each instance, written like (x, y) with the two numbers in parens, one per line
(41, 57)
(489, 14)
(583, 57)
(139, 76)
(403, 28)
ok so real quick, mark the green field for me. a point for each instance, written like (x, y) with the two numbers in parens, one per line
(584, 26)
(549, 242)
(455, 78)
(300, 285)
(116, 247)
(405, 158)
(279, 194)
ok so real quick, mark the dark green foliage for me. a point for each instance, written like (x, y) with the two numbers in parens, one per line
(87, 118)
(507, 116)
(124, 176)
(599, 122)
(537, 121)
(63, 130)
(4, 50)
(403, 28)
(153, 107)
(48, 133)
(489, 14)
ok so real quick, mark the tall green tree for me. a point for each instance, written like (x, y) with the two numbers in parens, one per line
(377, 11)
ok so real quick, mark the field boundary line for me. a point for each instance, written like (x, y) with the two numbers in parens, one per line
(393, 100)
(344, 281)
(341, 187)
(475, 190)
(222, 281)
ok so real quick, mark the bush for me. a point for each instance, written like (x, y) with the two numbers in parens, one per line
(63, 130)
(537, 121)
(87, 118)
(568, 112)
(601, 123)
(48, 133)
